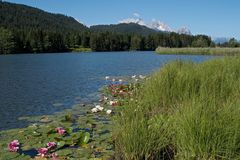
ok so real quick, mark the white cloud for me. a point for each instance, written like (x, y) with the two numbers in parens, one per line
(136, 15)
(133, 20)
(154, 24)
(157, 25)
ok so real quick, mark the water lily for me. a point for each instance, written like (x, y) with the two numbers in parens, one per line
(60, 130)
(134, 76)
(42, 152)
(51, 145)
(109, 111)
(142, 77)
(54, 156)
(113, 103)
(13, 146)
(99, 108)
(94, 110)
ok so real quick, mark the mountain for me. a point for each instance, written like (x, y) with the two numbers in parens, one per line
(136, 20)
(17, 16)
(184, 30)
(124, 28)
(25, 29)
(220, 40)
(155, 25)
(159, 26)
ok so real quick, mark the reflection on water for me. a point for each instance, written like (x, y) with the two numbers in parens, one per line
(37, 84)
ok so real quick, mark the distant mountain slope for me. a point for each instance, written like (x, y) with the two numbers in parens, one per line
(124, 28)
(17, 16)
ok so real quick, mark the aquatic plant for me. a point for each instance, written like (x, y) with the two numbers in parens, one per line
(183, 111)
(199, 51)
(60, 130)
(42, 152)
(13, 146)
(72, 134)
(109, 112)
(51, 145)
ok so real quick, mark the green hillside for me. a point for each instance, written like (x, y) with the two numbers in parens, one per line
(124, 28)
(17, 16)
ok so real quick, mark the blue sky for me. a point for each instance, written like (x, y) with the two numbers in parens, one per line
(217, 18)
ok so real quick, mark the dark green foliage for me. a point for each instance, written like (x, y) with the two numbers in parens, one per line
(16, 16)
(6, 41)
(124, 28)
(30, 30)
(201, 41)
(233, 43)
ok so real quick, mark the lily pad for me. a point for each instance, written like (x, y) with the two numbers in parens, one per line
(86, 137)
(60, 144)
(64, 152)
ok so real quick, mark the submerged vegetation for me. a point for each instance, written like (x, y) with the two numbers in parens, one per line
(199, 51)
(83, 132)
(183, 111)
(76, 135)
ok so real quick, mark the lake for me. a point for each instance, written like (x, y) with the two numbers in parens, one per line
(38, 84)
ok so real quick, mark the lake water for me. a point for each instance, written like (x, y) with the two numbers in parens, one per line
(38, 84)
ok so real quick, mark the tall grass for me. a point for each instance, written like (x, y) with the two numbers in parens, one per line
(184, 111)
(200, 51)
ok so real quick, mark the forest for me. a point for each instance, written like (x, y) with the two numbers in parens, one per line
(25, 29)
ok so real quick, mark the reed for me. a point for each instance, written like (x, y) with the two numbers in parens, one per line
(183, 111)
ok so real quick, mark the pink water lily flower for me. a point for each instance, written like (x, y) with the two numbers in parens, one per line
(51, 145)
(113, 103)
(60, 130)
(54, 156)
(13, 146)
(42, 152)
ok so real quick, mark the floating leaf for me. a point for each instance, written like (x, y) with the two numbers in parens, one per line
(64, 152)
(36, 134)
(86, 137)
(58, 139)
(68, 118)
(69, 130)
(60, 144)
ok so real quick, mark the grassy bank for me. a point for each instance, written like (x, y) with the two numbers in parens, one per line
(183, 111)
(199, 51)
(80, 49)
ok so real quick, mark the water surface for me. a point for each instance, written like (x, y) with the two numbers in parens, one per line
(38, 84)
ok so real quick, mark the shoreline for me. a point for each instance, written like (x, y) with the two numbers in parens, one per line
(94, 120)
(198, 51)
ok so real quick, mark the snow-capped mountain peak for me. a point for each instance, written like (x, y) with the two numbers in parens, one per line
(157, 25)
(133, 20)
(184, 30)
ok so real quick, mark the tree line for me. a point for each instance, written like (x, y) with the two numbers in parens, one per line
(25, 29)
(42, 41)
